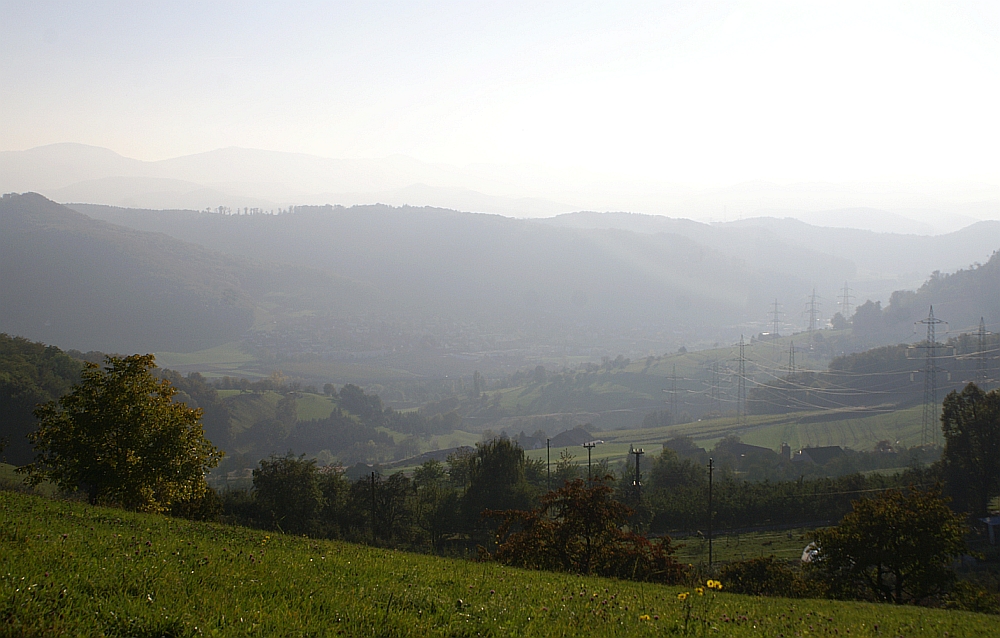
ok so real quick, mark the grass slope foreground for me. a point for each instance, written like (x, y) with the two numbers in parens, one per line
(71, 569)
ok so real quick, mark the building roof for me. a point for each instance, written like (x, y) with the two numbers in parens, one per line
(576, 436)
(819, 455)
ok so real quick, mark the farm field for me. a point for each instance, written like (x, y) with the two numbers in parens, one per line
(230, 360)
(783, 544)
(798, 429)
(68, 569)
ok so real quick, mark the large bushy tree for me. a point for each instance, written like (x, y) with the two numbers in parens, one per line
(970, 420)
(120, 437)
(895, 547)
(579, 528)
(288, 493)
(497, 479)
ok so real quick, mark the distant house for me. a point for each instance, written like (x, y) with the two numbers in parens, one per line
(993, 526)
(530, 442)
(686, 448)
(576, 436)
(747, 450)
(818, 455)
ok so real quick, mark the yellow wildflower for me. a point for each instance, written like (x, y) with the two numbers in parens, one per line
(700, 591)
(683, 595)
(644, 617)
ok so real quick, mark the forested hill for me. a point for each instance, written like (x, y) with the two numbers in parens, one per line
(475, 267)
(896, 259)
(961, 299)
(68, 279)
(30, 373)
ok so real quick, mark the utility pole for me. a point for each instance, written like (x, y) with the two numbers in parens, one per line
(741, 394)
(714, 394)
(373, 507)
(548, 465)
(775, 315)
(928, 433)
(845, 302)
(711, 468)
(982, 376)
(673, 395)
(791, 358)
(590, 446)
(637, 452)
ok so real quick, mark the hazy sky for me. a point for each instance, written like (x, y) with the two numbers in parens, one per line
(701, 93)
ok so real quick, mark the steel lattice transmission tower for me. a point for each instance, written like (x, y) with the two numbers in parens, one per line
(845, 302)
(928, 433)
(775, 319)
(741, 394)
(813, 311)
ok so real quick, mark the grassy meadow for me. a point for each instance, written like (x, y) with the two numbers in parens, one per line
(70, 569)
(726, 547)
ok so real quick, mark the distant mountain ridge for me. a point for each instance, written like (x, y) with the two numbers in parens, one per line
(892, 261)
(254, 178)
(374, 280)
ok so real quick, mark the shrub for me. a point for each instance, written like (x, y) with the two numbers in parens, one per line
(764, 576)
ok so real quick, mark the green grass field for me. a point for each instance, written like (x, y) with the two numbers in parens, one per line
(799, 429)
(70, 569)
(313, 406)
(230, 360)
(784, 544)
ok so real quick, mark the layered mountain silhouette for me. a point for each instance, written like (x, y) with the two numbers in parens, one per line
(127, 280)
(269, 180)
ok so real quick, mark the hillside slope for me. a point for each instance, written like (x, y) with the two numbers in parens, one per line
(68, 569)
(77, 282)
(506, 271)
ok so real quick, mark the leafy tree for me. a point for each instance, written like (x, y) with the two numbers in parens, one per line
(392, 513)
(896, 547)
(496, 479)
(970, 420)
(579, 529)
(671, 472)
(566, 468)
(437, 504)
(121, 437)
(761, 576)
(197, 392)
(367, 406)
(288, 492)
(839, 322)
